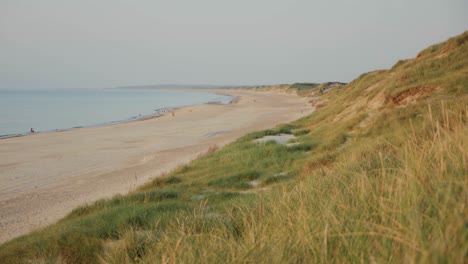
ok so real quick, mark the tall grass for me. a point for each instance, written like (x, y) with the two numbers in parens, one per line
(378, 203)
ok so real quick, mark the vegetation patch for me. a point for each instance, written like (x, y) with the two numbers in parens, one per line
(301, 132)
(306, 146)
(304, 86)
(161, 182)
(276, 178)
(140, 197)
(239, 180)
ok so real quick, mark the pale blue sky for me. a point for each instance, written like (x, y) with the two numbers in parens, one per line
(107, 43)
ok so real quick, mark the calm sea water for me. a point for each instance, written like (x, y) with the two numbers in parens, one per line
(56, 110)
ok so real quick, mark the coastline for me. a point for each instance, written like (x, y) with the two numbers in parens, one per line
(158, 113)
(44, 177)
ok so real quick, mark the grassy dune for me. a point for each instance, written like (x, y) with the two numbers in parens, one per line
(377, 174)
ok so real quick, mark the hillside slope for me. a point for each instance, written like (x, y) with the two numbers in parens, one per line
(377, 174)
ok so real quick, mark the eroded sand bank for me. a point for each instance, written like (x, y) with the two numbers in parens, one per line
(44, 176)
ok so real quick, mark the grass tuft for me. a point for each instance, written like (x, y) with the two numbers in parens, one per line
(239, 180)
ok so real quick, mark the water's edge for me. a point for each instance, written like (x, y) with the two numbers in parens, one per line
(158, 113)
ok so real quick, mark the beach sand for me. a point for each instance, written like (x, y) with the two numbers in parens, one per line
(45, 176)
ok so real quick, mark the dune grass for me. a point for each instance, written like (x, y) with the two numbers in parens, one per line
(368, 180)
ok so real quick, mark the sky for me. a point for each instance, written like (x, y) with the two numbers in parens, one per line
(59, 44)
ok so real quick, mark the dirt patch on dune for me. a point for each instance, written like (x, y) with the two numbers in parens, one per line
(402, 99)
(409, 96)
(377, 102)
(444, 53)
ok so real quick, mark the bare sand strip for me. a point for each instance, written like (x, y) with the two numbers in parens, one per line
(44, 176)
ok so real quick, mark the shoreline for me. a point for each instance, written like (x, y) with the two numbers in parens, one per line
(43, 178)
(127, 120)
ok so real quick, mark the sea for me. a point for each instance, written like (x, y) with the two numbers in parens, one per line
(57, 110)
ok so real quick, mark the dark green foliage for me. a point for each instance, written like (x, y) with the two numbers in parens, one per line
(302, 146)
(161, 182)
(301, 132)
(276, 178)
(239, 180)
(141, 197)
(304, 86)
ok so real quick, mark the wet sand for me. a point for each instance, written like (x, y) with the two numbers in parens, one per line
(45, 176)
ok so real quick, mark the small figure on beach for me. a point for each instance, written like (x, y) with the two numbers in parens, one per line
(32, 130)
(173, 113)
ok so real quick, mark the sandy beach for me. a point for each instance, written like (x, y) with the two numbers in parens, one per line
(45, 176)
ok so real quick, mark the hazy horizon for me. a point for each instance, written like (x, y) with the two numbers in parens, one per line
(88, 44)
